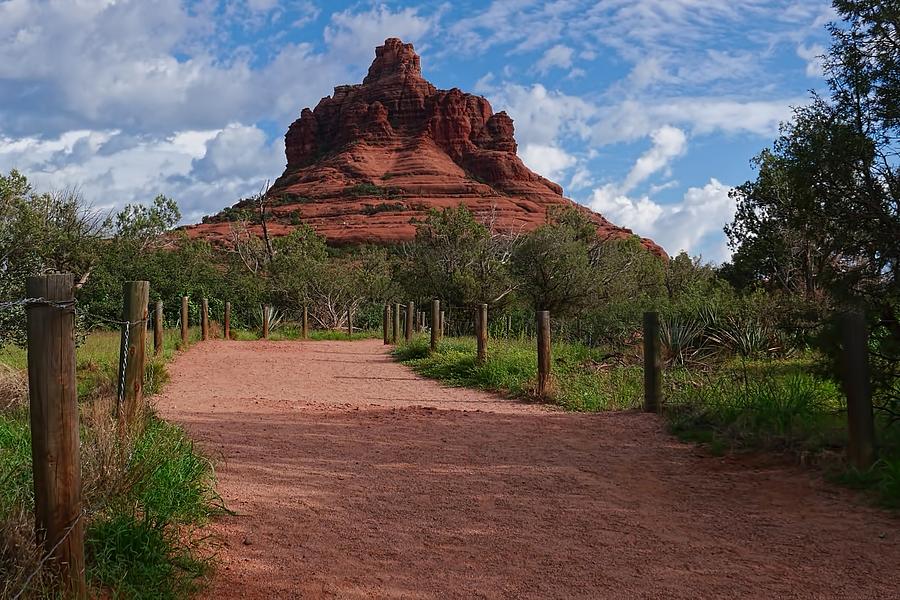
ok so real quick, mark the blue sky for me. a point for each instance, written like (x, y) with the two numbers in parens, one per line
(646, 110)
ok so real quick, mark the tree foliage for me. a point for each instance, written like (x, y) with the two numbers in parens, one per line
(41, 233)
(821, 222)
(458, 259)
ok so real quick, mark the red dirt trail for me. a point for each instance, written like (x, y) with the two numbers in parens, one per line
(353, 478)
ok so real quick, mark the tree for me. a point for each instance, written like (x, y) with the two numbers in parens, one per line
(553, 264)
(822, 219)
(299, 259)
(459, 260)
(144, 226)
(40, 233)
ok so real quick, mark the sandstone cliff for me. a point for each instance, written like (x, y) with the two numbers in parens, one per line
(373, 158)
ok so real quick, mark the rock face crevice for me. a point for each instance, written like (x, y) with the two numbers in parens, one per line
(371, 159)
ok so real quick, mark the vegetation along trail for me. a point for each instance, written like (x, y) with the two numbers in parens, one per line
(351, 477)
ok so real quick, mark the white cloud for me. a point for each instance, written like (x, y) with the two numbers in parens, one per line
(814, 56)
(559, 56)
(203, 170)
(239, 151)
(550, 161)
(632, 120)
(639, 214)
(693, 224)
(581, 179)
(353, 35)
(160, 66)
(541, 116)
(668, 143)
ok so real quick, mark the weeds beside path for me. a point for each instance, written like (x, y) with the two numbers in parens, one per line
(145, 490)
(352, 477)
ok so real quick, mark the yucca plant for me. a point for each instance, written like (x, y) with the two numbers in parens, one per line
(745, 338)
(276, 317)
(681, 339)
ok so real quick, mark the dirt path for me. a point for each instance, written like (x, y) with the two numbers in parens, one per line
(353, 478)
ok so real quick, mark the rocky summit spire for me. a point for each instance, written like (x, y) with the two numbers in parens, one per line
(394, 58)
(369, 162)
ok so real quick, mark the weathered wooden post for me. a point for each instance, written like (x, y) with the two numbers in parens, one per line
(410, 319)
(386, 324)
(435, 323)
(204, 319)
(443, 326)
(53, 394)
(543, 351)
(226, 325)
(265, 323)
(158, 323)
(858, 388)
(652, 363)
(132, 350)
(481, 333)
(395, 334)
(305, 323)
(184, 321)
(349, 323)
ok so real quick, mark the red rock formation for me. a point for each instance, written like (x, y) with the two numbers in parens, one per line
(373, 158)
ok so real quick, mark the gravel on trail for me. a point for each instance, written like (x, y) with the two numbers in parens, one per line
(351, 477)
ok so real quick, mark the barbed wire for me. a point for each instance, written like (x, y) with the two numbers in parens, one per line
(67, 304)
(28, 303)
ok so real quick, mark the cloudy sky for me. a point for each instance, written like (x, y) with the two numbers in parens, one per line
(646, 110)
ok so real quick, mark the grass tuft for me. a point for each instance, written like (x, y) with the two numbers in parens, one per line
(581, 381)
(146, 490)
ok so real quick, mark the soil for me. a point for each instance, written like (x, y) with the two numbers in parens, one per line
(352, 477)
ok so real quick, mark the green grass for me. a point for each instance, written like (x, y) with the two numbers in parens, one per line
(146, 492)
(580, 382)
(97, 360)
(15, 461)
(138, 546)
(782, 406)
(779, 410)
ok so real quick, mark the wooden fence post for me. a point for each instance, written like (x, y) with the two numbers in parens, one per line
(158, 323)
(305, 323)
(543, 351)
(395, 334)
(481, 333)
(443, 325)
(53, 394)
(226, 325)
(265, 323)
(349, 323)
(858, 388)
(184, 322)
(435, 323)
(386, 324)
(204, 319)
(652, 363)
(410, 319)
(132, 353)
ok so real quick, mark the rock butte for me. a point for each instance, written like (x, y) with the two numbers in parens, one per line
(373, 158)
